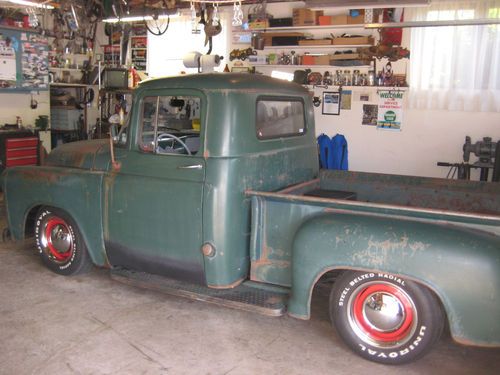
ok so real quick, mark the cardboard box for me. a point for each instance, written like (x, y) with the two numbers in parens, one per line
(306, 17)
(352, 41)
(258, 25)
(308, 60)
(325, 20)
(315, 42)
(322, 60)
(268, 37)
(344, 56)
(258, 59)
(356, 20)
(339, 20)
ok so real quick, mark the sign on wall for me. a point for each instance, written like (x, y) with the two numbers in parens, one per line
(24, 61)
(390, 109)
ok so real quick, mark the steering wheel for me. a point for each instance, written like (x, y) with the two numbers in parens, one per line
(167, 136)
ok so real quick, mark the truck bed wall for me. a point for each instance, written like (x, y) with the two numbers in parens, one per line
(436, 193)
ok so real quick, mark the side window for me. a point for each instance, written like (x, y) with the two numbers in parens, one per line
(276, 118)
(171, 125)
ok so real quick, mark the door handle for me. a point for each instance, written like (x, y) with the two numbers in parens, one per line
(195, 166)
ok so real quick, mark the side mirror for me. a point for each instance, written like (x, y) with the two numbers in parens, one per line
(113, 132)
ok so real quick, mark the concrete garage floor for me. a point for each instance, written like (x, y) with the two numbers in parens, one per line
(90, 324)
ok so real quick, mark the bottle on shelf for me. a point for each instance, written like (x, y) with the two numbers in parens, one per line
(356, 78)
(347, 78)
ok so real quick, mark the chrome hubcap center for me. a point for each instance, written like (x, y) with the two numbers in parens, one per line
(384, 312)
(60, 239)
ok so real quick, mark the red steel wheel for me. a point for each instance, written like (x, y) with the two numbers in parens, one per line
(385, 318)
(382, 313)
(60, 243)
(57, 239)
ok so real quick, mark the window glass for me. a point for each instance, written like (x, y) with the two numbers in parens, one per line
(279, 118)
(171, 125)
(455, 68)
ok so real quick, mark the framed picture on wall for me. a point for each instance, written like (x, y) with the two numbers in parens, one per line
(331, 103)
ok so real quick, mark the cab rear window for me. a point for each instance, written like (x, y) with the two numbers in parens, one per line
(279, 118)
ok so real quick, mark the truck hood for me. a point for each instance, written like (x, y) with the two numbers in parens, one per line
(92, 154)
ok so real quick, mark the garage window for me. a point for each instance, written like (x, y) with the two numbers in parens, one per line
(455, 68)
(279, 118)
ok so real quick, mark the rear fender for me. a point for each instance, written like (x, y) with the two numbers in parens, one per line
(77, 192)
(460, 265)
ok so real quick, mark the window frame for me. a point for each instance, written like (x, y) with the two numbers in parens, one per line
(163, 93)
(280, 99)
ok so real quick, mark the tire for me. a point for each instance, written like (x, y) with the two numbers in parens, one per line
(385, 318)
(60, 243)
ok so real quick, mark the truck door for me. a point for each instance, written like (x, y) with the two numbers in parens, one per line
(153, 203)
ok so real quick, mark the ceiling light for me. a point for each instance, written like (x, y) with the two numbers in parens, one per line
(139, 18)
(31, 4)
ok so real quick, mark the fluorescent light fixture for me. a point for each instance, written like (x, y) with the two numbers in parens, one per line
(282, 75)
(139, 18)
(31, 4)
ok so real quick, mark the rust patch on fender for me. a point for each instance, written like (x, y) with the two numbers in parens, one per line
(265, 263)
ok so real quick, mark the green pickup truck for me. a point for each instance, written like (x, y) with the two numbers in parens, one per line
(212, 191)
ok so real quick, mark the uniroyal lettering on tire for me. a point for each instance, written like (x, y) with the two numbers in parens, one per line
(59, 242)
(385, 318)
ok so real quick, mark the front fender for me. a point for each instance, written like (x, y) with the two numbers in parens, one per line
(76, 191)
(460, 265)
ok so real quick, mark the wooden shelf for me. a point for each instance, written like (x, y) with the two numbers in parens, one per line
(393, 88)
(62, 84)
(65, 107)
(308, 66)
(68, 69)
(323, 46)
(312, 28)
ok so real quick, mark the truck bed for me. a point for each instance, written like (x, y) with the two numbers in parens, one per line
(276, 216)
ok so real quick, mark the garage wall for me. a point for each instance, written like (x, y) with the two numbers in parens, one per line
(426, 137)
(18, 104)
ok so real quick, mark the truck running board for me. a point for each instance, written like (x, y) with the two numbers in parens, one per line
(242, 297)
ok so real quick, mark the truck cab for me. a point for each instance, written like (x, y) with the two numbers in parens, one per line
(185, 162)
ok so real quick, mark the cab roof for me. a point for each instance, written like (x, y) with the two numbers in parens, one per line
(224, 81)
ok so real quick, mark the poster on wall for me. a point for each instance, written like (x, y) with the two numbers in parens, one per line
(35, 61)
(331, 103)
(24, 64)
(370, 114)
(390, 109)
(346, 100)
(8, 65)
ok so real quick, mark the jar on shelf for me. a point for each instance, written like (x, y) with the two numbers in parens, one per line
(338, 78)
(363, 79)
(371, 78)
(347, 78)
(356, 78)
